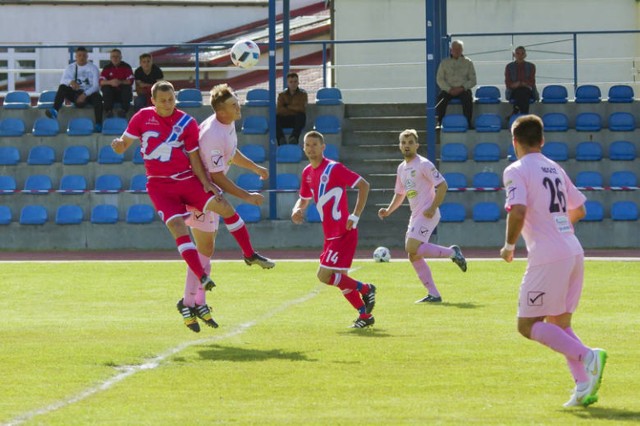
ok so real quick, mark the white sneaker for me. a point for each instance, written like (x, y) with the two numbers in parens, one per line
(594, 369)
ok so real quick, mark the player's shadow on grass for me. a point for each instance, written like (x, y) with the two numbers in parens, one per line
(463, 305)
(614, 414)
(231, 353)
(365, 332)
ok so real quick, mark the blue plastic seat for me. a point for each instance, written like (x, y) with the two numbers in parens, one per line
(327, 124)
(7, 185)
(287, 182)
(624, 210)
(250, 182)
(554, 94)
(37, 184)
(589, 180)
(106, 155)
(44, 126)
(255, 125)
(68, 214)
(622, 122)
(486, 151)
(488, 123)
(511, 153)
(329, 96)
(257, 97)
(41, 155)
(588, 151)
(11, 126)
(454, 123)
(488, 95)
(288, 154)
(46, 99)
(137, 157)
(5, 215)
(454, 152)
(104, 214)
(9, 156)
(108, 184)
(313, 216)
(623, 180)
(249, 213)
(331, 152)
(189, 98)
(17, 99)
(73, 184)
(588, 94)
(621, 94)
(33, 214)
(138, 183)
(76, 155)
(622, 151)
(556, 151)
(595, 211)
(114, 126)
(555, 122)
(80, 126)
(588, 122)
(452, 212)
(488, 181)
(140, 214)
(486, 211)
(455, 180)
(254, 152)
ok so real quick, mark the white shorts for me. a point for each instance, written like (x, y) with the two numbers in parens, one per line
(420, 228)
(552, 288)
(205, 222)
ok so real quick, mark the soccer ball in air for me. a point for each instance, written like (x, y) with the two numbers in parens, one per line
(245, 54)
(381, 254)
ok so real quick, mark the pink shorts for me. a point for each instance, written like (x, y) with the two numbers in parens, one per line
(551, 289)
(205, 222)
(171, 197)
(420, 228)
(338, 253)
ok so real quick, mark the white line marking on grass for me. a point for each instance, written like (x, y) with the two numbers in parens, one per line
(130, 370)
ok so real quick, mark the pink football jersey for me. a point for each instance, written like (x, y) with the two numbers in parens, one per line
(218, 144)
(418, 179)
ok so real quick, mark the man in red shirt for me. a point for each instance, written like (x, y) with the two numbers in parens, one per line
(115, 82)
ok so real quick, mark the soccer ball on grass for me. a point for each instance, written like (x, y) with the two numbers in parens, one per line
(245, 54)
(381, 254)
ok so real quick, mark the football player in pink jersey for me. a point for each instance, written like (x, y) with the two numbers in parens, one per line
(176, 178)
(326, 182)
(418, 180)
(543, 204)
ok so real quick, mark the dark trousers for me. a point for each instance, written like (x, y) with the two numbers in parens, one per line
(296, 121)
(122, 94)
(66, 92)
(521, 97)
(467, 104)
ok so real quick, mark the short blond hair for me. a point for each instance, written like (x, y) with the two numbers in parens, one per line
(409, 132)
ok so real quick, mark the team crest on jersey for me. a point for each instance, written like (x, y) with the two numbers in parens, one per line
(177, 130)
(412, 173)
(435, 173)
(152, 121)
(324, 178)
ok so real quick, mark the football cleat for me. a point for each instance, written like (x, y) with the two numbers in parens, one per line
(430, 299)
(204, 313)
(363, 322)
(369, 299)
(188, 316)
(576, 397)
(207, 282)
(458, 258)
(258, 259)
(594, 369)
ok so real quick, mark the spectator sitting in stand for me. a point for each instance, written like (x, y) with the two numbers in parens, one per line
(291, 110)
(116, 80)
(145, 76)
(520, 79)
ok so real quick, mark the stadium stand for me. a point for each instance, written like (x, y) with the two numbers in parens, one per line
(327, 124)
(486, 211)
(454, 123)
(554, 94)
(595, 211)
(5, 215)
(249, 213)
(257, 98)
(33, 214)
(80, 126)
(620, 94)
(72, 184)
(11, 126)
(41, 155)
(7, 185)
(329, 96)
(488, 123)
(140, 214)
(623, 180)
(622, 151)
(104, 214)
(189, 98)
(452, 212)
(76, 155)
(106, 155)
(588, 94)
(487, 181)
(622, 122)
(114, 126)
(555, 122)
(287, 182)
(17, 99)
(9, 156)
(69, 214)
(250, 182)
(108, 183)
(588, 151)
(486, 152)
(138, 184)
(455, 180)
(288, 154)
(556, 151)
(46, 98)
(331, 151)
(37, 184)
(254, 152)
(44, 126)
(589, 180)
(624, 211)
(454, 152)
(255, 125)
(313, 216)
(588, 122)
(487, 95)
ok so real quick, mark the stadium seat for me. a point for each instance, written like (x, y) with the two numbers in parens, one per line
(589, 180)
(555, 122)
(511, 153)
(588, 94)
(287, 182)
(556, 151)
(33, 215)
(327, 124)
(486, 211)
(452, 212)
(68, 214)
(589, 151)
(76, 155)
(454, 123)
(621, 94)
(512, 118)
(328, 96)
(454, 152)
(554, 94)
(313, 216)
(257, 97)
(455, 180)
(288, 154)
(114, 126)
(9, 156)
(249, 213)
(80, 126)
(624, 210)
(104, 214)
(255, 125)
(17, 99)
(488, 181)
(138, 183)
(331, 151)
(486, 152)
(7, 184)
(41, 155)
(250, 182)
(254, 152)
(622, 122)
(623, 180)
(106, 155)
(140, 214)
(11, 126)
(37, 184)
(588, 122)
(595, 211)
(108, 184)
(189, 98)
(487, 95)
(622, 151)
(46, 99)
(137, 156)
(5, 215)
(44, 126)
(72, 184)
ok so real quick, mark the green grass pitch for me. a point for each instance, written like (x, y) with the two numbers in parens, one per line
(101, 343)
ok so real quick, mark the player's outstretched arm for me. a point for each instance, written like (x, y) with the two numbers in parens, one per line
(241, 160)
(297, 213)
(121, 144)
(229, 187)
(396, 202)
